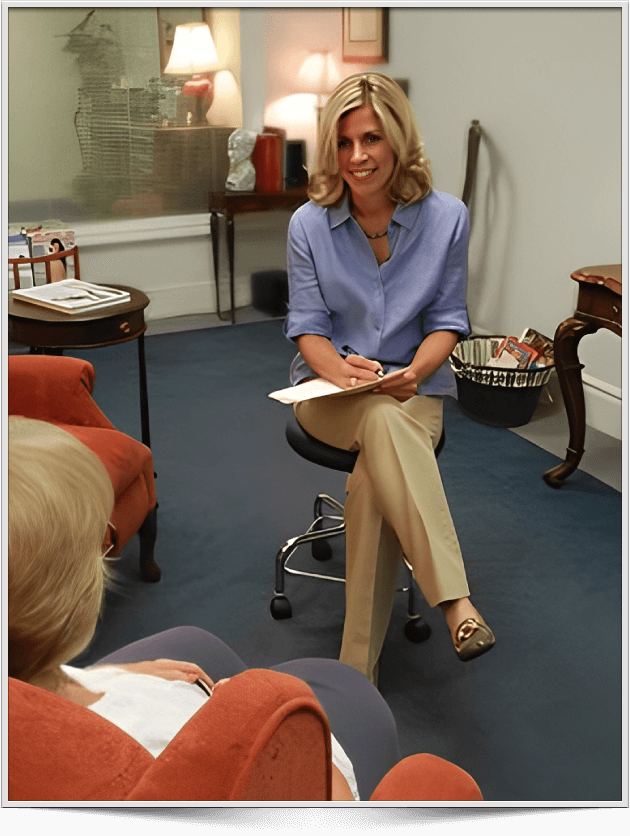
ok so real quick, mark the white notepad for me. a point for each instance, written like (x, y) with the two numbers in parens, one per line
(320, 388)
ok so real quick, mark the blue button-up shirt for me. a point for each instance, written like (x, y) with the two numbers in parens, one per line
(338, 290)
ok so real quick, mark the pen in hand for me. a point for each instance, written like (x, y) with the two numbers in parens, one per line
(349, 350)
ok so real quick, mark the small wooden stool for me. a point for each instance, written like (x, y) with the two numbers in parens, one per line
(598, 306)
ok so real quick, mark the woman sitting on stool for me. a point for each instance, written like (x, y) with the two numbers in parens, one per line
(377, 265)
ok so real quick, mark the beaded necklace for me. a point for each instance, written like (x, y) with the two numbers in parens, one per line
(371, 237)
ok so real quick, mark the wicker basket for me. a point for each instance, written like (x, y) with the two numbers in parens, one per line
(498, 397)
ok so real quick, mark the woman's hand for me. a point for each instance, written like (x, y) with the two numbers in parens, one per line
(358, 369)
(432, 352)
(169, 669)
(402, 387)
(326, 362)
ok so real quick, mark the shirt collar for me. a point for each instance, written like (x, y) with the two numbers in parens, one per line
(403, 215)
(338, 214)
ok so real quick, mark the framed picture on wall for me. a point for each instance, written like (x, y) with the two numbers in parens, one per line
(365, 36)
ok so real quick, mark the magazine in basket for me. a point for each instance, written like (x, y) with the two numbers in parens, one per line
(72, 296)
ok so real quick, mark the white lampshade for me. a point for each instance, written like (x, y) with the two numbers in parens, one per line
(319, 74)
(227, 109)
(193, 50)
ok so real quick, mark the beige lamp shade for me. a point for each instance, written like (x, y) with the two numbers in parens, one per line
(193, 50)
(227, 109)
(319, 74)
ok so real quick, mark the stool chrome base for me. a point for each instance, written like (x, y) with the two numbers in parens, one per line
(317, 534)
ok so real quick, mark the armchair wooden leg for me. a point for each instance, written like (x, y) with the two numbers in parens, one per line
(149, 570)
(569, 369)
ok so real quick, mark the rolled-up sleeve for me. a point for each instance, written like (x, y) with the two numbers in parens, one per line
(308, 313)
(447, 312)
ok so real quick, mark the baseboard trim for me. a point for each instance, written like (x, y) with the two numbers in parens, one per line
(603, 411)
(196, 298)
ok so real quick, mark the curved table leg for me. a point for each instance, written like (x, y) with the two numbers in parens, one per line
(566, 340)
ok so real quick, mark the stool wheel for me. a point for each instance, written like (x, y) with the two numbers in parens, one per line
(321, 550)
(417, 630)
(280, 607)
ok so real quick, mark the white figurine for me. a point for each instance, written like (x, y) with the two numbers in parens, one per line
(242, 174)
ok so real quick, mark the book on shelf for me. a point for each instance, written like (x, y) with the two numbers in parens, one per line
(72, 296)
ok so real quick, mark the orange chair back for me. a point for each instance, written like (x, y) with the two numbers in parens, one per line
(261, 737)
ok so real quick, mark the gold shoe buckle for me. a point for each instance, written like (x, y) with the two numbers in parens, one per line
(467, 629)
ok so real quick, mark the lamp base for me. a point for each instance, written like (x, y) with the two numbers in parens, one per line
(200, 87)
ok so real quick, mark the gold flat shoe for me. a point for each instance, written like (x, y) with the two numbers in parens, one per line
(472, 638)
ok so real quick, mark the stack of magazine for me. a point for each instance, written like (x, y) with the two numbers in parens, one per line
(531, 351)
(72, 296)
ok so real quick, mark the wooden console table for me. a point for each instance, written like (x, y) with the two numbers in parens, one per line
(598, 306)
(239, 203)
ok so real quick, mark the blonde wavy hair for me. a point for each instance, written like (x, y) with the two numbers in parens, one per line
(411, 178)
(60, 504)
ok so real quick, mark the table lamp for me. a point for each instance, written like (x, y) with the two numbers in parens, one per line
(318, 74)
(227, 109)
(194, 53)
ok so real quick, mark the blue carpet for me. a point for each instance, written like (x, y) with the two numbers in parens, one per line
(537, 719)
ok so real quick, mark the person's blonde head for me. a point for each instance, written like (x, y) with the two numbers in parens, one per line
(60, 503)
(411, 178)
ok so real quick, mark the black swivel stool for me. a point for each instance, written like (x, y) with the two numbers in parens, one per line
(319, 532)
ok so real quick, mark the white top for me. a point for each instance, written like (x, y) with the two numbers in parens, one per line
(152, 710)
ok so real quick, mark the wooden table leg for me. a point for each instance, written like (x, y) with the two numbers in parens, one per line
(230, 243)
(214, 231)
(144, 397)
(566, 340)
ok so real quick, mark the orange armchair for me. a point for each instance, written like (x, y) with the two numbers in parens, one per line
(58, 389)
(261, 737)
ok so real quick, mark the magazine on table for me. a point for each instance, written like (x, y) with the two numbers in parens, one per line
(72, 296)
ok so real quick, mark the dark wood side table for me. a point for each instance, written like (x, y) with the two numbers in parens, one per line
(598, 306)
(239, 203)
(47, 331)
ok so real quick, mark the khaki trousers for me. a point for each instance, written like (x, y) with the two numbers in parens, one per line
(395, 503)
